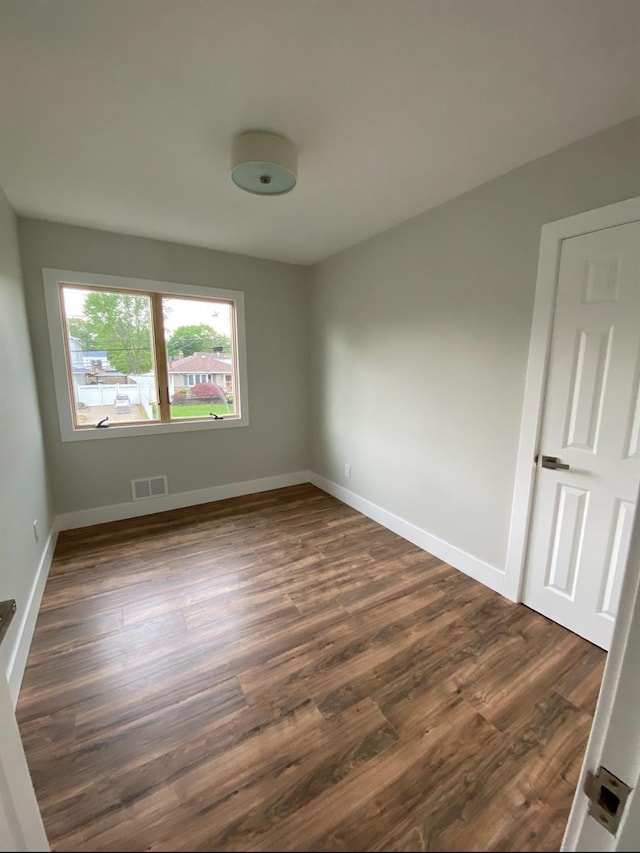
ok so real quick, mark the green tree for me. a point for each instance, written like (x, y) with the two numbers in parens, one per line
(120, 324)
(78, 329)
(190, 339)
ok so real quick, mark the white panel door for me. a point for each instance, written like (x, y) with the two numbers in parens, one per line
(583, 512)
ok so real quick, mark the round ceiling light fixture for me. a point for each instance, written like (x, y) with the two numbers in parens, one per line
(264, 163)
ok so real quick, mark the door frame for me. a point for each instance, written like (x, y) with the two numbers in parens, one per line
(21, 827)
(551, 240)
(614, 740)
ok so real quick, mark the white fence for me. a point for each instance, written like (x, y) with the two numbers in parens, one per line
(105, 395)
(143, 392)
(146, 386)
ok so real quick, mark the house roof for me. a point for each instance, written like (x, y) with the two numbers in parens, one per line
(200, 362)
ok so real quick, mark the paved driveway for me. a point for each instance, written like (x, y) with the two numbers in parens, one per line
(93, 414)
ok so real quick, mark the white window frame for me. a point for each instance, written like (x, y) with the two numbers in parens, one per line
(53, 278)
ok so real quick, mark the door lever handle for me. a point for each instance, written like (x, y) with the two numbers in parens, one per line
(554, 463)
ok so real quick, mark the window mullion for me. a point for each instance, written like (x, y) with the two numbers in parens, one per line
(235, 383)
(162, 377)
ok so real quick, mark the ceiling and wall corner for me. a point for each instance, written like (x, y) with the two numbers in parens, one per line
(419, 343)
(394, 110)
(120, 115)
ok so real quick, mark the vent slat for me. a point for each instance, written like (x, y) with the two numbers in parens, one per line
(149, 487)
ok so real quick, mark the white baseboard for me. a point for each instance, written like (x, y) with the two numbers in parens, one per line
(18, 658)
(116, 512)
(477, 569)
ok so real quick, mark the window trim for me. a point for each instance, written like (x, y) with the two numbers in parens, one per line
(53, 278)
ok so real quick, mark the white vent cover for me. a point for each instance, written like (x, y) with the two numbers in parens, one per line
(150, 487)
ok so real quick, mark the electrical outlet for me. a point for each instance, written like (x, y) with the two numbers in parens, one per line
(36, 535)
(347, 470)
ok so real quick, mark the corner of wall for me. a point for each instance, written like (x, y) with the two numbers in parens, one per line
(455, 557)
(28, 618)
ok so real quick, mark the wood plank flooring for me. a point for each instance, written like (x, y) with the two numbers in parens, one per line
(278, 672)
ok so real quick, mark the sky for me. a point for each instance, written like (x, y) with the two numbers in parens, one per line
(184, 312)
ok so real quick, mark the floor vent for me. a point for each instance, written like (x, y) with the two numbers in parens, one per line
(150, 487)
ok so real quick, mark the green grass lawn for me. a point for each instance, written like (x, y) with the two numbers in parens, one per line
(201, 410)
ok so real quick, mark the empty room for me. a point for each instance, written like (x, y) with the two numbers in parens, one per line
(320, 425)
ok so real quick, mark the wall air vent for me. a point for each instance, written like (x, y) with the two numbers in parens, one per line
(150, 487)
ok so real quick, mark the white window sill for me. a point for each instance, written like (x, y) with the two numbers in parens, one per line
(124, 431)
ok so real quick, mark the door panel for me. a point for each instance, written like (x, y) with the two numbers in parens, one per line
(581, 519)
(614, 567)
(592, 353)
(568, 535)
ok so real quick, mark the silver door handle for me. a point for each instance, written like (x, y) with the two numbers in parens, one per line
(554, 463)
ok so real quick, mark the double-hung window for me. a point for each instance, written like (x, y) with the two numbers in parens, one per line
(136, 357)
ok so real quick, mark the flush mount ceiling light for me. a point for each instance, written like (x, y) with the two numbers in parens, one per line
(264, 163)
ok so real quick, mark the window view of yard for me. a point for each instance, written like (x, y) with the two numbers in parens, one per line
(117, 359)
(201, 410)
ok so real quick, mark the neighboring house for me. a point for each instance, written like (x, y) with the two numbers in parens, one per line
(77, 362)
(201, 367)
(98, 369)
(92, 367)
(107, 377)
(96, 360)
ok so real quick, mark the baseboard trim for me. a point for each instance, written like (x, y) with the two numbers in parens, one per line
(18, 657)
(477, 569)
(116, 512)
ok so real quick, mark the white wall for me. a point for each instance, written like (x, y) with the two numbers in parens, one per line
(420, 339)
(24, 494)
(92, 474)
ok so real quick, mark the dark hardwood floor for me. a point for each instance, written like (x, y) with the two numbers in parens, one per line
(278, 672)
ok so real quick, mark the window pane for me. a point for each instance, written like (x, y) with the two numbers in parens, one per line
(201, 362)
(109, 356)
